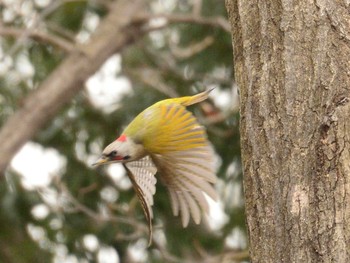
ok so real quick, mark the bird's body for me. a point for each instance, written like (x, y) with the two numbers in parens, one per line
(167, 138)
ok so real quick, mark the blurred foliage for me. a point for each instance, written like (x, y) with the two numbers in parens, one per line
(75, 197)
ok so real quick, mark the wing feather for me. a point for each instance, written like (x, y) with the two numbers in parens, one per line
(198, 167)
(186, 189)
(174, 201)
(180, 151)
(195, 181)
(185, 160)
(144, 171)
(185, 213)
(193, 207)
(141, 174)
(176, 130)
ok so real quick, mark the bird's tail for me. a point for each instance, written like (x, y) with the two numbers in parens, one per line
(189, 100)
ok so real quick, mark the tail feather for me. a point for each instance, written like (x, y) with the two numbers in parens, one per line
(189, 100)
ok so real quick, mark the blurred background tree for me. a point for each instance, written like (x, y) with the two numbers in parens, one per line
(54, 206)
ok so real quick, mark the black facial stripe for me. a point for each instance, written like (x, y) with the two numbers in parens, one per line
(112, 154)
(126, 157)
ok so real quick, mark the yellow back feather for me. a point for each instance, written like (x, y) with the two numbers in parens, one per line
(188, 100)
(161, 126)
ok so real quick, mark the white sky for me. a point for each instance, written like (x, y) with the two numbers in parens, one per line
(37, 165)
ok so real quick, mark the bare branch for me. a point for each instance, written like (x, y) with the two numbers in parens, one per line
(60, 31)
(228, 256)
(167, 63)
(224, 256)
(114, 33)
(139, 227)
(167, 255)
(38, 36)
(219, 22)
(22, 38)
(153, 79)
(192, 49)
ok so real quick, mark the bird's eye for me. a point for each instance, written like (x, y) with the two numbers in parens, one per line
(113, 153)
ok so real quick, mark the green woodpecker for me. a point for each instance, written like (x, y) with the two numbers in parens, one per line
(167, 138)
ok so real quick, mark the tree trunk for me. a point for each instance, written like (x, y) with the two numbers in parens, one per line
(292, 64)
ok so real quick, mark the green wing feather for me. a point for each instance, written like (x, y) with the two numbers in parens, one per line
(176, 130)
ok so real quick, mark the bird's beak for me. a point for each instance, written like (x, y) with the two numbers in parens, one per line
(101, 161)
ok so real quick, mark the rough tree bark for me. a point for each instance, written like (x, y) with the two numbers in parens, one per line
(292, 64)
(114, 32)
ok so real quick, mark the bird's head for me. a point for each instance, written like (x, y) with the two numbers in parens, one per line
(121, 150)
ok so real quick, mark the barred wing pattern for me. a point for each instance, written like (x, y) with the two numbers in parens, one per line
(141, 174)
(179, 150)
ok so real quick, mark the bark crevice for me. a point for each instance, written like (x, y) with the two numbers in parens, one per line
(291, 66)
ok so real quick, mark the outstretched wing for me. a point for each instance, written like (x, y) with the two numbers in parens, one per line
(141, 174)
(185, 161)
(176, 129)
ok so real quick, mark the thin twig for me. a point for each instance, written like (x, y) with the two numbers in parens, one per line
(60, 31)
(26, 32)
(167, 255)
(38, 36)
(230, 256)
(168, 65)
(153, 79)
(192, 49)
(219, 22)
(96, 216)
